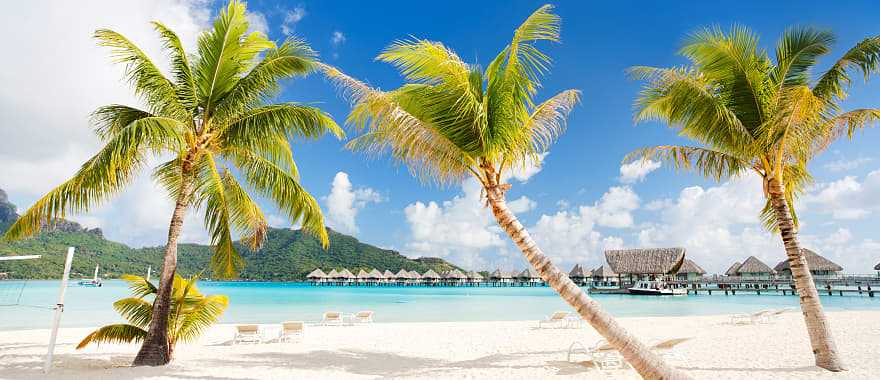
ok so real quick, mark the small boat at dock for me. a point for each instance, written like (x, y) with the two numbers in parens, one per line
(655, 288)
(94, 282)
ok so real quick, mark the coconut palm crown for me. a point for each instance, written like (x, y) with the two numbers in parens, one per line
(209, 116)
(749, 112)
(454, 120)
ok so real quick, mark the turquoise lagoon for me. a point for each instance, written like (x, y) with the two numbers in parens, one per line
(272, 302)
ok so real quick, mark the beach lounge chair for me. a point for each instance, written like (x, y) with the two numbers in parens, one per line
(602, 355)
(247, 334)
(770, 316)
(365, 316)
(292, 330)
(667, 348)
(749, 319)
(555, 320)
(332, 318)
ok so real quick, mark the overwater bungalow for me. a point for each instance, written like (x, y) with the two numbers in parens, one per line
(820, 267)
(362, 277)
(402, 276)
(577, 275)
(332, 276)
(877, 268)
(430, 277)
(454, 277)
(317, 276)
(529, 277)
(473, 277)
(500, 276)
(388, 276)
(414, 277)
(732, 270)
(645, 264)
(604, 277)
(689, 271)
(345, 276)
(375, 277)
(754, 269)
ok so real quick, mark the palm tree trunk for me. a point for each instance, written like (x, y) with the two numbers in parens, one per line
(645, 362)
(818, 327)
(155, 350)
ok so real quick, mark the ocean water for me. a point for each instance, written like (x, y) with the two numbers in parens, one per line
(273, 302)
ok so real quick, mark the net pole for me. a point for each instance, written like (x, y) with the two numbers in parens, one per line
(59, 309)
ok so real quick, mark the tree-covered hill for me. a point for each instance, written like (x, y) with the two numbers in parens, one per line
(286, 254)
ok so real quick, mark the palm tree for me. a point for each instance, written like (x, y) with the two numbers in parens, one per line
(191, 313)
(454, 120)
(211, 114)
(749, 113)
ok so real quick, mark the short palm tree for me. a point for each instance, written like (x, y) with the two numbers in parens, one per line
(210, 115)
(750, 113)
(191, 313)
(454, 120)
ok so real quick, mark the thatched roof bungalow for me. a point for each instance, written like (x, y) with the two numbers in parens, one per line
(317, 275)
(500, 276)
(430, 276)
(645, 263)
(388, 275)
(413, 275)
(877, 267)
(754, 268)
(529, 275)
(473, 276)
(819, 266)
(689, 271)
(455, 275)
(577, 273)
(375, 275)
(402, 275)
(346, 275)
(603, 276)
(363, 275)
(733, 268)
(333, 275)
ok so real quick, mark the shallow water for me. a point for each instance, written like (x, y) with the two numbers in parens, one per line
(272, 302)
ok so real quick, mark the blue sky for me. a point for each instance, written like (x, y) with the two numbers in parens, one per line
(577, 204)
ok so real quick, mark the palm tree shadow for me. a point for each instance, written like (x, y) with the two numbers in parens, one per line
(808, 368)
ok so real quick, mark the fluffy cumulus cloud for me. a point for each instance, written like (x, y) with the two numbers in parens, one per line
(291, 18)
(337, 38)
(344, 202)
(637, 171)
(843, 165)
(847, 198)
(45, 107)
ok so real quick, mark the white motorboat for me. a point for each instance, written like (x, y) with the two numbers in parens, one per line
(655, 288)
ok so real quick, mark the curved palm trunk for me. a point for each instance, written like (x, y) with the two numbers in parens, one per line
(648, 365)
(156, 350)
(818, 327)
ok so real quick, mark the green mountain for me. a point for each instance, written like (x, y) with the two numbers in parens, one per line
(286, 255)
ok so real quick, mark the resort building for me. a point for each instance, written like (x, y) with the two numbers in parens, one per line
(820, 267)
(430, 277)
(754, 269)
(454, 277)
(500, 276)
(317, 276)
(689, 271)
(530, 277)
(732, 270)
(474, 277)
(604, 277)
(402, 276)
(577, 275)
(877, 268)
(644, 264)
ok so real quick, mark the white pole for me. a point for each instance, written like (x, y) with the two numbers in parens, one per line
(59, 308)
(149, 269)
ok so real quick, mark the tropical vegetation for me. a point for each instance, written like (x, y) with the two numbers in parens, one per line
(209, 116)
(191, 313)
(750, 113)
(455, 120)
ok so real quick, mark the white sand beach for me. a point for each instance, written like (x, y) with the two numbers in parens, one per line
(464, 350)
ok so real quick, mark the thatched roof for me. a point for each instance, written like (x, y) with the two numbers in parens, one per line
(388, 274)
(375, 274)
(733, 268)
(455, 274)
(529, 273)
(473, 275)
(317, 273)
(431, 275)
(414, 275)
(499, 274)
(577, 272)
(645, 261)
(603, 271)
(689, 266)
(333, 274)
(402, 274)
(363, 274)
(814, 261)
(877, 267)
(345, 273)
(754, 265)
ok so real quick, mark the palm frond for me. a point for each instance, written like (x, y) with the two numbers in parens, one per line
(226, 261)
(199, 316)
(136, 310)
(184, 81)
(138, 285)
(846, 123)
(797, 52)
(119, 333)
(109, 120)
(864, 56)
(707, 162)
(284, 119)
(546, 123)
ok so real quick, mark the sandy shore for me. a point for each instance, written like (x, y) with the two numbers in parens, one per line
(470, 350)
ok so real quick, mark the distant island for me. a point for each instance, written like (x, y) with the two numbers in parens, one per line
(286, 255)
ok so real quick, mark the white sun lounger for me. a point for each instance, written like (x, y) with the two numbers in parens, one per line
(555, 320)
(365, 316)
(667, 348)
(292, 330)
(749, 319)
(247, 334)
(602, 355)
(332, 318)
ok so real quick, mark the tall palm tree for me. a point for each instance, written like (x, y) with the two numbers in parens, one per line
(749, 113)
(210, 115)
(454, 120)
(191, 313)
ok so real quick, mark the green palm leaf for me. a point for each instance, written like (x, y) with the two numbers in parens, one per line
(119, 333)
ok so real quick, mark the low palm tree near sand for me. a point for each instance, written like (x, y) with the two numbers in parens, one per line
(209, 116)
(454, 120)
(751, 113)
(191, 313)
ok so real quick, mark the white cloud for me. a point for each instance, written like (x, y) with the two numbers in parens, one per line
(338, 38)
(45, 107)
(257, 22)
(291, 18)
(525, 171)
(344, 202)
(842, 165)
(847, 198)
(637, 171)
(615, 207)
